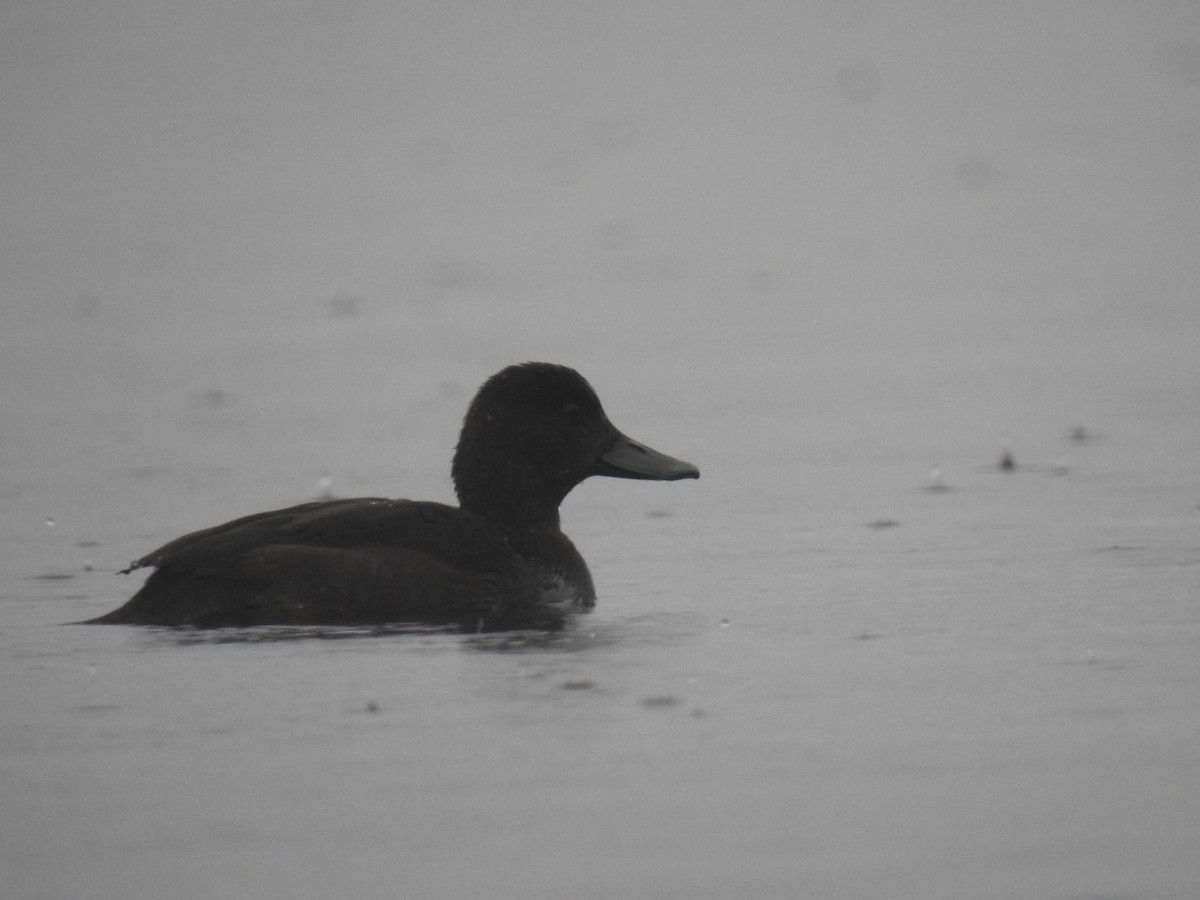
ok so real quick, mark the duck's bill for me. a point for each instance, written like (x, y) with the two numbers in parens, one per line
(626, 458)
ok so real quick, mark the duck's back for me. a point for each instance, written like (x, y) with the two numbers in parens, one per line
(341, 562)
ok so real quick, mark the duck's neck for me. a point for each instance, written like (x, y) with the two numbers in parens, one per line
(511, 507)
(527, 516)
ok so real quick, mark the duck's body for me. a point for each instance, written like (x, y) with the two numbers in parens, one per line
(498, 561)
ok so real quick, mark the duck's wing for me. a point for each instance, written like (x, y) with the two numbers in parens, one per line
(434, 529)
(230, 534)
(341, 562)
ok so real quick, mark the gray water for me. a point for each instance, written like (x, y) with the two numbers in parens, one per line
(841, 256)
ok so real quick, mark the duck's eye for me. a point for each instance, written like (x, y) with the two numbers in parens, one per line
(572, 409)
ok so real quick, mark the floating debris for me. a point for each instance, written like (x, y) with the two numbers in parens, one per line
(86, 306)
(214, 398)
(974, 173)
(1008, 463)
(344, 306)
(883, 523)
(578, 684)
(1081, 434)
(859, 82)
(660, 701)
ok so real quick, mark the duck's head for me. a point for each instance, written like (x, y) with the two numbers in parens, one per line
(532, 433)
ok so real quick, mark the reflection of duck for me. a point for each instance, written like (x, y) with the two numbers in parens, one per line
(498, 561)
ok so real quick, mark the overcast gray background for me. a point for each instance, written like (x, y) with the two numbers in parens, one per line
(269, 153)
(249, 251)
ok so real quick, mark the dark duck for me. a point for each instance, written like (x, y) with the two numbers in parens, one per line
(498, 561)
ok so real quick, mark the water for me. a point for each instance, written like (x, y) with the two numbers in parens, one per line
(804, 669)
(821, 254)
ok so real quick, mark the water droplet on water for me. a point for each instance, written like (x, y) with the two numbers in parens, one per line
(937, 484)
(324, 486)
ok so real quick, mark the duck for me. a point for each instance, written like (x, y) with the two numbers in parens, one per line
(499, 561)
